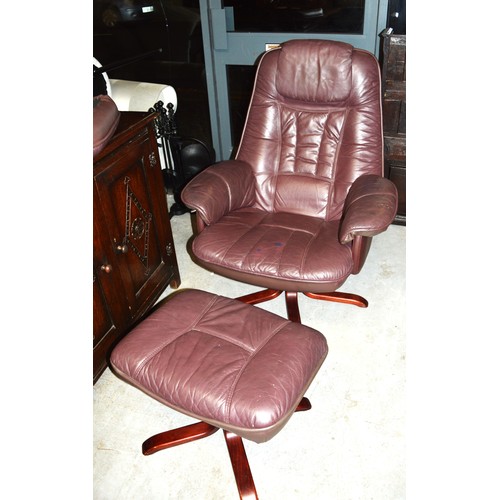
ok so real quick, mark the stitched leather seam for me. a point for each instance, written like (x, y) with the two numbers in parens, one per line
(306, 251)
(268, 228)
(217, 174)
(284, 246)
(278, 156)
(141, 366)
(329, 215)
(365, 195)
(237, 378)
(250, 228)
(322, 147)
(274, 226)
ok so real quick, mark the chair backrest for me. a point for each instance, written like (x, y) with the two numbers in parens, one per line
(314, 125)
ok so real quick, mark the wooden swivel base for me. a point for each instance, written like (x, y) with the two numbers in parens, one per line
(199, 430)
(292, 304)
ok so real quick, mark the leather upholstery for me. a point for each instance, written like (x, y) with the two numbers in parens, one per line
(307, 177)
(224, 362)
(105, 117)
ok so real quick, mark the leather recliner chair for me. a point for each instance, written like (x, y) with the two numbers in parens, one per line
(298, 206)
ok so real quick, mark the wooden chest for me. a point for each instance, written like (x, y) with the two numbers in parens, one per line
(134, 255)
(394, 115)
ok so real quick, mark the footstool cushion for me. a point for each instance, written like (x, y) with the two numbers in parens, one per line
(221, 361)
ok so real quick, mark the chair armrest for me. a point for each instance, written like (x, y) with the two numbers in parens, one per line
(219, 189)
(370, 207)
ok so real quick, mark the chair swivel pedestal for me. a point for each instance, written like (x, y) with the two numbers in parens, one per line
(227, 364)
(292, 301)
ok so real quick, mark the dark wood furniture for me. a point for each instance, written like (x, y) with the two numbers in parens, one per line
(394, 115)
(134, 255)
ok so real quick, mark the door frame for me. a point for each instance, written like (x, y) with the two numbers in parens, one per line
(223, 48)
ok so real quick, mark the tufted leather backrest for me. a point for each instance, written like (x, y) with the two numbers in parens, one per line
(314, 125)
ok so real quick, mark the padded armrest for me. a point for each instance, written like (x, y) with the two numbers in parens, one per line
(370, 207)
(219, 189)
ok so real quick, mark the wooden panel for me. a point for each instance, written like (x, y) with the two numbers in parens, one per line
(402, 118)
(103, 321)
(395, 147)
(134, 255)
(394, 115)
(395, 59)
(391, 112)
(397, 174)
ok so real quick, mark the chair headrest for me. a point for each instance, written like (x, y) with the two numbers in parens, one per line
(315, 70)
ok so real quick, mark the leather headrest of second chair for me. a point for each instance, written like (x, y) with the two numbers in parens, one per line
(313, 71)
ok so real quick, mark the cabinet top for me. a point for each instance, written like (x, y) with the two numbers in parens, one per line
(130, 125)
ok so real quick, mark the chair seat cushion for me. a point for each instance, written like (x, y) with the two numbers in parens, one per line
(276, 250)
(221, 361)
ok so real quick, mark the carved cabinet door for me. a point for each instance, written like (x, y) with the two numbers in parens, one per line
(110, 313)
(133, 211)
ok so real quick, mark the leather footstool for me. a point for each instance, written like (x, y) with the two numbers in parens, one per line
(228, 364)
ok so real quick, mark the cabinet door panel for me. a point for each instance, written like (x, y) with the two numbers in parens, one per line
(103, 320)
(104, 327)
(132, 215)
(134, 256)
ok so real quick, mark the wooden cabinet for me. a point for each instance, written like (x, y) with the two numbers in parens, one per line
(394, 115)
(134, 255)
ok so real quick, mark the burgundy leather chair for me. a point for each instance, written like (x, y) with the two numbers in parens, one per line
(231, 365)
(297, 208)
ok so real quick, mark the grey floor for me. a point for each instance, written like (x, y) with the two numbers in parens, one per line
(350, 446)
